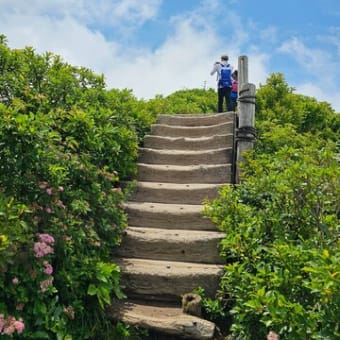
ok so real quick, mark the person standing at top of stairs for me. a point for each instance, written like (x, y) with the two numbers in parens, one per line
(224, 82)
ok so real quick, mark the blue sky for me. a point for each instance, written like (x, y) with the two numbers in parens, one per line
(160, 46)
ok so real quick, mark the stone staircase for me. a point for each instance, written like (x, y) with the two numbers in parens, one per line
(169, 247)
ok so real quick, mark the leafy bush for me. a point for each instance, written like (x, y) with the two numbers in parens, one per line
(65, 145)
(277, 103)
(282, 239)
(184, 101)
(66, 142)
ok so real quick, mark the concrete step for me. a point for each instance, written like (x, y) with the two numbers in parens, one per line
(185, 143)
(191, 131)
(181, 157)
(216, 173)
(164, 319)
(171, 245)
(196, 119)
(167, 280)
(171, 216)
(194, 193)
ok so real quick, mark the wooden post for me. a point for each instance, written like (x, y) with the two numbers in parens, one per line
(242, 71)
(245, 131)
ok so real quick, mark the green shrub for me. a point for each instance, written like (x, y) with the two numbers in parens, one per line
(64, 149)
(281, 244)
(68, 196)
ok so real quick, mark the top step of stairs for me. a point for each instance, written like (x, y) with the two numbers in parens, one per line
(196, 119)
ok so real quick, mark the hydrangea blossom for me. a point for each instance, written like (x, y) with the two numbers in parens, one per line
(46, 238)
(48, 268)
(10, 324)
(41, 249)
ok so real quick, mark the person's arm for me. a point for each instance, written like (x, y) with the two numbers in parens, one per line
(215, 69)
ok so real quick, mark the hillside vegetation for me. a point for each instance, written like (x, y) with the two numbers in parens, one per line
(67, 142)
(282, 245)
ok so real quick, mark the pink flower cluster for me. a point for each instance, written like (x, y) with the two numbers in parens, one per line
(50, 191)
(10, 325)
(43, 247)
(48, 268)
(46, 238)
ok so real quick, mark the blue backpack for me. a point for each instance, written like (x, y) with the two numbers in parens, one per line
(225, 77)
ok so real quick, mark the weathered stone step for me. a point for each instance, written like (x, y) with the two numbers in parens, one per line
(167, 280)
(172, 245)
(191, 131)
(185, 143)
(216, 173)
(188, 193)
(170, 248)
(171, 216)
(181, 157)
(162, 318)
(195, 119)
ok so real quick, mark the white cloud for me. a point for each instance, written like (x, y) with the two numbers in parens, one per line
(315, 61)
(182, 60)
(102, 12)
(308, 58)
(258, 72)
(136, 9)
(321, 68)
(74, 42)
(185, 59)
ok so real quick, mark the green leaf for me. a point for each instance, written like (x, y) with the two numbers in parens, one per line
(92, 290)
(41, 335)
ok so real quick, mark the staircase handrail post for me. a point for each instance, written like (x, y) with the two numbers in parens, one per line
(242, 71)
(245, 130)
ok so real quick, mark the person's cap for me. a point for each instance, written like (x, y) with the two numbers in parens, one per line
(224, 57)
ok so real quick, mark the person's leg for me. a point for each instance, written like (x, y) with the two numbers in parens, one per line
(220, 94)
(222, 98)
(233, 96)
(228, 99)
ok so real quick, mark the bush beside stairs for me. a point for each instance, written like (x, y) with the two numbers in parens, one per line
(169, 247)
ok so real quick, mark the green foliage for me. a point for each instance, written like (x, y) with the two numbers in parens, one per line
(276, 102)
(105, 275)
(282, 239)
(214, 309)
(65, 144)
(184, 101)
(278, 291)
(44, 81)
